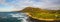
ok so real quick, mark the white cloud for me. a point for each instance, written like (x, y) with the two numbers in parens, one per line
(21, 4)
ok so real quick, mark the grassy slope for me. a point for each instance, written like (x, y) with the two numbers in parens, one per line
(41, 13)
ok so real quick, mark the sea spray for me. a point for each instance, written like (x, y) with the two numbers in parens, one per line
(21, 16)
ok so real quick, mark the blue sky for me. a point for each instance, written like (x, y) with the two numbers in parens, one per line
(13, 5)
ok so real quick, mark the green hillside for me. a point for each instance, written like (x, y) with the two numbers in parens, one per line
(42, 13)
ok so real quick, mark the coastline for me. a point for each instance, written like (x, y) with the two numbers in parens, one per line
(30, 19)
(40, 18)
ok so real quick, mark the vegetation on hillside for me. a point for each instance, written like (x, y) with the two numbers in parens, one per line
(42, 13)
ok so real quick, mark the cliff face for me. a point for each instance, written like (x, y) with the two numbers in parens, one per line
(42, 13)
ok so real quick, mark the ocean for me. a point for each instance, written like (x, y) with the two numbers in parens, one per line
(13, 17)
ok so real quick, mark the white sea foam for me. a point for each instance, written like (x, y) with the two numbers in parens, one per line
(20, 16)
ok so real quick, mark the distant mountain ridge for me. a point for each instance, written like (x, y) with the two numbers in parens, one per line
(53, 8)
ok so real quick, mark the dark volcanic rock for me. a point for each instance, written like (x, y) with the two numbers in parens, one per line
(35, 20)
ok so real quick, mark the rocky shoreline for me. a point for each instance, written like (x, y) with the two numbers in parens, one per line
(30, 19)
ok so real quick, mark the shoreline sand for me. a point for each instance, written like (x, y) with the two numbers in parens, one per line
(40, 18)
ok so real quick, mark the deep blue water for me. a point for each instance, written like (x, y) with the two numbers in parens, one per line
(13, 17)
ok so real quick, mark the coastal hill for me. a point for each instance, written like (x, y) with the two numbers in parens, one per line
(39, 13)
